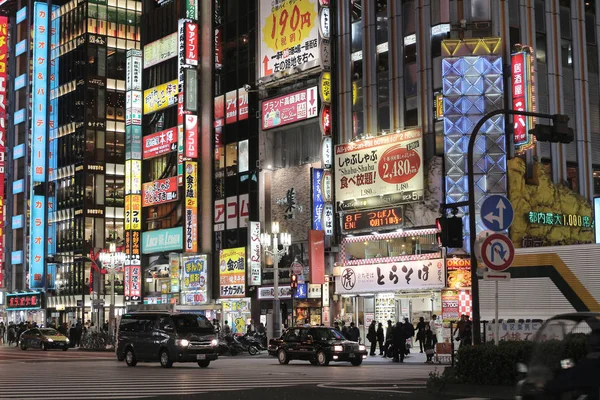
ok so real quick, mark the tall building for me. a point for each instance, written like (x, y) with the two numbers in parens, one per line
(66, 166)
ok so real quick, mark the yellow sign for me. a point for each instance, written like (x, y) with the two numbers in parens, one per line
(325, 87)
(191, 206)
(127, 213)
(232, 272)
(439, 106)
(160, 97)
(288, 24)
(136, 212)
(354, 92)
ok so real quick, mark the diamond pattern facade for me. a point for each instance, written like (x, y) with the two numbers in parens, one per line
(472, 87)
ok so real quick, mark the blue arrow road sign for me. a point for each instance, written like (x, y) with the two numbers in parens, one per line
(497, 213)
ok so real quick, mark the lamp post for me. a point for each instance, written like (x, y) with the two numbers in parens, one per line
(112, 259)
(270, 244)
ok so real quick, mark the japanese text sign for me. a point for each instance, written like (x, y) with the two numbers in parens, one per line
(195, 275)
(160, 97)
(519, 95)
(159, 192)
(191, 43)
(255, 255)
(191, 206)
(290, 108)
(373, 220)
(160, 50)
(381, 165)
(23, 301)
(425, 274)
(289, 36)
(39, 90)
(37, 237)
(232, 268)
(160, 143)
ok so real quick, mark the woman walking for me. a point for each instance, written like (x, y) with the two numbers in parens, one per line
(380, 338)
(428, 343)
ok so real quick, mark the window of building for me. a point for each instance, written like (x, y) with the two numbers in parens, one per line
(596, 176)
(231, 161)
(572, 177)
(481, 10)
(396, 247)
(383, 76)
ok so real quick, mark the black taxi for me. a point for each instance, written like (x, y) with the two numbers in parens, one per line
(319, 345)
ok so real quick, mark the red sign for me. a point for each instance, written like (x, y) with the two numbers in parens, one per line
(242, 104)
(135, 283)
(160, 143)
(23, 301)
(519, 93)
(326, 120)
(290, 108)
(316, 256)
(191, 136)
(126, 281)
(191, 43)
(218, 49)
(497, 252)
(159, 192)
(231, 107)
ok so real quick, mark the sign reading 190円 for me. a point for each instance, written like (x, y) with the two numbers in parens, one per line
(379, 166)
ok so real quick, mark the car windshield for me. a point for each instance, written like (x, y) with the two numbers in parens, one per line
(49, 332)
(327, 334)
(562, 343)
(190, 323)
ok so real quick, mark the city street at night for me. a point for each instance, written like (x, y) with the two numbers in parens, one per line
(85, 375)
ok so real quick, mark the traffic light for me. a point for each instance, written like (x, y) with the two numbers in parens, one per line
(559, 132)
(294, 281)
(450, 232)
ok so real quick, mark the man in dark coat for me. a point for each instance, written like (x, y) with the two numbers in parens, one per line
(399, 341)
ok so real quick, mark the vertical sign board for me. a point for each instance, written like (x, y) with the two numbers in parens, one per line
(232, 272)
(523, 98)
(53, 123)
(191, 207)
(3, 96)
(254, 253)
(37, 216)
(317, 198)
(133, 176)
(316, 244)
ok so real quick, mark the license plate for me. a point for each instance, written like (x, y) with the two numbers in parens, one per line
(201, 357)
(352, 355)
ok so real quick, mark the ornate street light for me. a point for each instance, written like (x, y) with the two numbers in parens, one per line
(111, 260)
(270, 244)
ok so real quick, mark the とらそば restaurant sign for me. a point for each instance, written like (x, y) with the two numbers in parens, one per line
(389, 277)
(380, 219)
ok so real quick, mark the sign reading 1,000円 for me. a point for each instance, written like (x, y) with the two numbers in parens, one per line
(384, 218)
(379, 166)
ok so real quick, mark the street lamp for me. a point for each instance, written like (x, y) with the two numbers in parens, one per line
(111, 260)
(270, 244)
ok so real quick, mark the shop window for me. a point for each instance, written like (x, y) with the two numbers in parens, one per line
(243, 157)
(572, 177)
(231, 161)
(397, 247)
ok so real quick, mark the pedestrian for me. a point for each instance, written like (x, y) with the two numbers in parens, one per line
(353, 333)
(380, 338)
(409, 333)
(12, 333)
(421, 333)
(389, 340)
(79, 333)
(2, 332)
(336, 326)
(344, 330)
(226, 329)
(434, 329)
(464, 327)
(428, 343)
(372, 337)
(399, 342)
(73, 334)
(250, 329)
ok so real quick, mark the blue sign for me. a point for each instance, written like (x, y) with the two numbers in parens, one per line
(21, 47)
(20, 81)
(37, 225)
(317, 198)
(39, 90)
(21, 15)
(301, 291)
(497, 213)
(53, 154)
(16, 257)
(17, 221)
(19, 116)
(18, 186)
(162, 240)
(19, 151)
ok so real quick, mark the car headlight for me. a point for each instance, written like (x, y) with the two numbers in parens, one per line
(50, 340)
(214, 342)
(183, 342)
(362, 347)
(338, 348)
(67, 340)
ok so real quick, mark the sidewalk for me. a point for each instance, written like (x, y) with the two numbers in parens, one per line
(412, 358)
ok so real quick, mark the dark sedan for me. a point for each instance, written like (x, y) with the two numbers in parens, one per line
(44, 339)
(319, 345)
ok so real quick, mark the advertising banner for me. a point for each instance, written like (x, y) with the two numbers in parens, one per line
(316, 249)
(294, 107)
(231, 107)
(379, 166)
(136, 212)
(162, 240)
(191, 206)
(37, 224)
(242, 104)
(368, 221)
(3, 125)
(194, 285)
(39, 137)
(191, 43)
(159, 192)
(232, 272)
(450, 310)
(289, 36)
(160, 50)
(135, 284)
(459, 273)
(160, 143)
(389, 277)
(255, 253)
(160, 97)
(23, 301)
(191, 136)
(317, 198)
